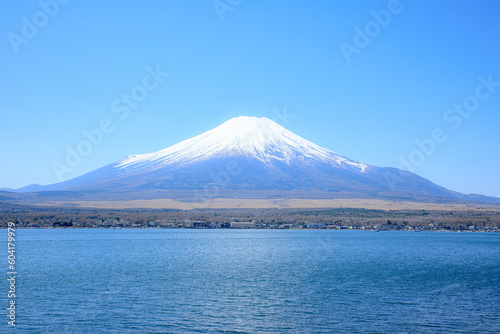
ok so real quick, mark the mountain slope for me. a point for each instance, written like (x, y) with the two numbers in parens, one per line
(249, 157)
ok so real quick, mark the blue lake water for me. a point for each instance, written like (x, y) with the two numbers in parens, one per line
(254, 281)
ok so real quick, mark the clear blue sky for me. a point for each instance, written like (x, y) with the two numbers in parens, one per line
(62, 68)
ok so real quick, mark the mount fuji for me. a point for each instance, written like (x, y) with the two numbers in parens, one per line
(248, 157)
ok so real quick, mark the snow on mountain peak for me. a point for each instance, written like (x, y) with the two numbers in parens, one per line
(254, 137)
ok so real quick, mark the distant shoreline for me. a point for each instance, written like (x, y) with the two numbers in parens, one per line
(426, 217)
(245, 229)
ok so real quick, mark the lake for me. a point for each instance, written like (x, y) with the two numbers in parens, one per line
(254, 281)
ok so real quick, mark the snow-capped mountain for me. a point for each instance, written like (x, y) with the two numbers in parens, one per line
(251, 137)
(247, 157)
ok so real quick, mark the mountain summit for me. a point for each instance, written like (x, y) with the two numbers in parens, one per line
(248, 157)
(255, 138)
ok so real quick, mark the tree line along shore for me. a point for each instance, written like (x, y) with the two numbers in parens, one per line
(340, 218)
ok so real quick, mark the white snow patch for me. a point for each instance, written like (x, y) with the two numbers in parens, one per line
(260, 138)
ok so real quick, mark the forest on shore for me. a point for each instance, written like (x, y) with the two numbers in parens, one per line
(338, 218)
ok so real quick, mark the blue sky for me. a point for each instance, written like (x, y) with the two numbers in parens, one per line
(365, 79)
